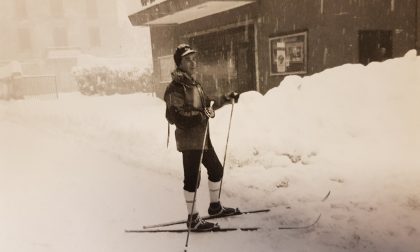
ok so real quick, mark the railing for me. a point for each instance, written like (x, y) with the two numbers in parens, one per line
(35, 86)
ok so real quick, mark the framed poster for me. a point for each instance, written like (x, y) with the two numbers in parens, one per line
(288, 54)
(167, 65)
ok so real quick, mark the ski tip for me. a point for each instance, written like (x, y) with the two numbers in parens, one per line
(316, 221)
(326, 196)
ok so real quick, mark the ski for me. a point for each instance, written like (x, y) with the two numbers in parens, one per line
(238, 212)
(208, 217)
(184, 230)
(220, 229)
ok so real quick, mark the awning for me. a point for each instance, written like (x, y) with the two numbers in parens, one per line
(201, 10)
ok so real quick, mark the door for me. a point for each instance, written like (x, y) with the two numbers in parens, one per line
(374, 45)
(226, 60)
(246, 81)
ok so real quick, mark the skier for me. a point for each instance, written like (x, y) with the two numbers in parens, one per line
(188, 107)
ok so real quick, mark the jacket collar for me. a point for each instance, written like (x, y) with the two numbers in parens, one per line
(183, 78)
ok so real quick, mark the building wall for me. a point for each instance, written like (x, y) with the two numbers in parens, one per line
(32, 29)
(166, 38)
(332, 27)
(417, 14)
(40, 20)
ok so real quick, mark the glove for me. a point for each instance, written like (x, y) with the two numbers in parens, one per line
(209, 112)
(232, 95)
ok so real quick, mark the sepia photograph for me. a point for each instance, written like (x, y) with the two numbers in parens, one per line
(209, 125)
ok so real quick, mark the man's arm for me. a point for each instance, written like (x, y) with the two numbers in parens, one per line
(222, 100)
(185, 116)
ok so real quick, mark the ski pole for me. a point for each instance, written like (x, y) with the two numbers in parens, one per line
(196, 182)
(227, 141)
(167, 138)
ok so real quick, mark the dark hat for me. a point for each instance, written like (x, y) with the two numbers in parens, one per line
(181, 51)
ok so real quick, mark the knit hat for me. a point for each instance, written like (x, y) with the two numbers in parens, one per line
(181, 51)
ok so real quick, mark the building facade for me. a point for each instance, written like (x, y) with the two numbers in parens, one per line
(253, 45)
(46, 36)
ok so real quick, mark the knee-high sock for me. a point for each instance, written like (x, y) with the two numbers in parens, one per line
(214, 188)
(189, 200)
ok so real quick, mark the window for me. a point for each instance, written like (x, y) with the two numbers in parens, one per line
(288, 54)
(24, 39)
(60, 37)
(91, 8)
(94, 36)
(56, 7)
(21, 11)
(166, 64)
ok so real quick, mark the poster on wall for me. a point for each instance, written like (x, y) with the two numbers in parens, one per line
(166, 64)
(288, 54)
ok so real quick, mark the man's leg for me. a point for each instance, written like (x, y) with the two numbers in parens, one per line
(215, 174)
(191, 162)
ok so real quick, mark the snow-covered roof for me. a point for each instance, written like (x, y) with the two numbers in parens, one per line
(198, 11)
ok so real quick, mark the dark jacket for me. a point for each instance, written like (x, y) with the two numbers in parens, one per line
(186, 100)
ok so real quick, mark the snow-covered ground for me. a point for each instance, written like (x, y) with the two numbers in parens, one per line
(76, 172)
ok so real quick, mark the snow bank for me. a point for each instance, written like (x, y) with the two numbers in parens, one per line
(352, 111)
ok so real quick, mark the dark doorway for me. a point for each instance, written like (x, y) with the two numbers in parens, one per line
(374, 45)
(226, 60)
(245, 68)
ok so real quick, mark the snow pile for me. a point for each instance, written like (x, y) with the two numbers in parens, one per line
(352, 129)
(351, 112)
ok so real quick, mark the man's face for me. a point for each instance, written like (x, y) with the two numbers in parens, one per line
(189, 64)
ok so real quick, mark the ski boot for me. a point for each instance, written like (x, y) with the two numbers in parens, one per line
(197, 224)
(216, 209)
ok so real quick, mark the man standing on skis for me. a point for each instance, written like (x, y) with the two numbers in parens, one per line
(188, 107)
